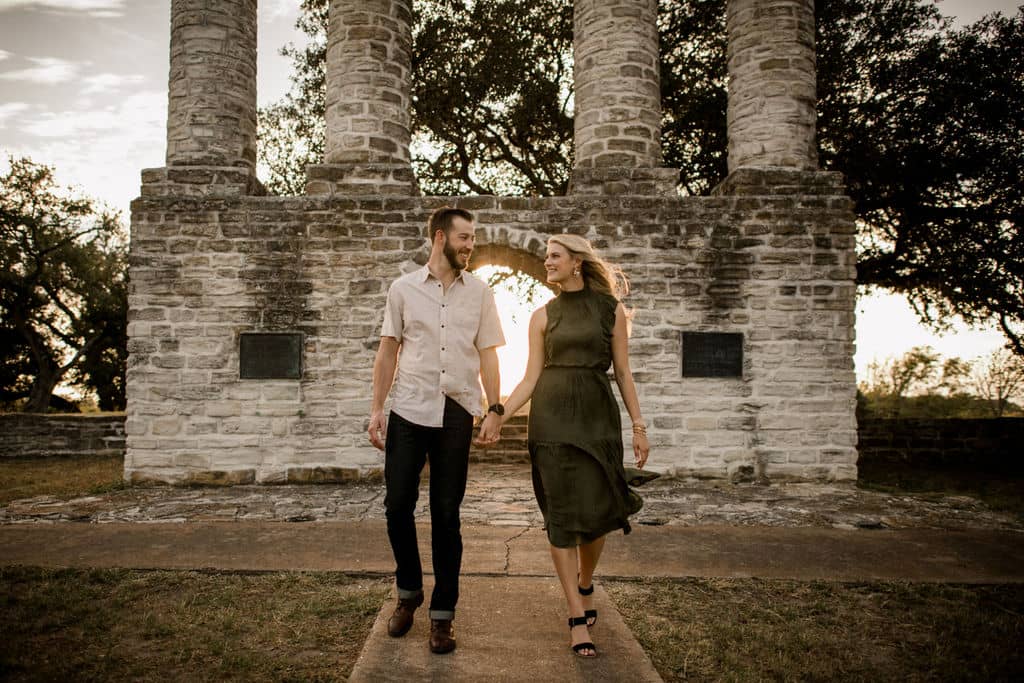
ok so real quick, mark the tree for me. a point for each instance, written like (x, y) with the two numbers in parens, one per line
(892, 380)
(63, 292)
(693, 92)
(926, 123)
(998, 379)
(491, 95)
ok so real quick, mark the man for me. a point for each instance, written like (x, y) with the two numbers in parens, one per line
(446, 325)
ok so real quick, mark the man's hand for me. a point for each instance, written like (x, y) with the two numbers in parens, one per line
(377, 430)
(490, 430)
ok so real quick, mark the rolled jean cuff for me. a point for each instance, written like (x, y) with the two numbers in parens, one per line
(446, 614)
(406, 595)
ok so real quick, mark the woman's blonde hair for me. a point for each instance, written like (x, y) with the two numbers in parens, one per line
(597, 273)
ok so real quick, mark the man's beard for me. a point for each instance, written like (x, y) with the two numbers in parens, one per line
(453, 258)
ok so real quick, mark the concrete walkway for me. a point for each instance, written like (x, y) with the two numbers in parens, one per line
(974, 556)
(508, 629)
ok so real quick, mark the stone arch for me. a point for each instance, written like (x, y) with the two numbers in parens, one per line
(517, 248)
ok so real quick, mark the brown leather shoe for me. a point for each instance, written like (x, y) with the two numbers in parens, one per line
(401, 621)
(442, 636)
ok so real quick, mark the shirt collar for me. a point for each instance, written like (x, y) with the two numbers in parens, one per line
(425, 275)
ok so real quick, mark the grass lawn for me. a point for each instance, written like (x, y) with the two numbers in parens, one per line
(761, 630)
(117, 625)
(63, 477)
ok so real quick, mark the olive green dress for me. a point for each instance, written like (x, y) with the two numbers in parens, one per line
(575, 432)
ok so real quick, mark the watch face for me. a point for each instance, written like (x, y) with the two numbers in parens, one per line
(497, 408)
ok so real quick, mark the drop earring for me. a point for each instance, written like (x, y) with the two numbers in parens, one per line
(576, 271)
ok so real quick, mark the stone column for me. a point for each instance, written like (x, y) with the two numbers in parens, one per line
(772, 94)
(618, 99)
(369, 46)
(211, 107)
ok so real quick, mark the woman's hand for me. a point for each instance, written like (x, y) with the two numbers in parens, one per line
(490, 431)
(641, 449)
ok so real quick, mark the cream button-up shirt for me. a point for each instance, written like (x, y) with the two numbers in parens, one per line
(441, 334)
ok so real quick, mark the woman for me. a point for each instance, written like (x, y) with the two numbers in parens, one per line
(575, 432)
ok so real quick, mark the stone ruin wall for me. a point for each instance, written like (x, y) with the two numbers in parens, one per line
(770, 255)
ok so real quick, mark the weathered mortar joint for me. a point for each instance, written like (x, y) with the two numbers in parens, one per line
(361, 179)
(775, 181)
(615, 181)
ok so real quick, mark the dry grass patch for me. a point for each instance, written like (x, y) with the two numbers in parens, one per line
(63, 477)
(756, 630)
(171, 626)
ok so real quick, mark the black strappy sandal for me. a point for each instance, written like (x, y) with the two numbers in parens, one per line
(591, 614)
(578, 648)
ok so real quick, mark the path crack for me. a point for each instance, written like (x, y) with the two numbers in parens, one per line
(508, 547)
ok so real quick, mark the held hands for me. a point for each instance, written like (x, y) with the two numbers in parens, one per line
(490, 430)
(377, 430)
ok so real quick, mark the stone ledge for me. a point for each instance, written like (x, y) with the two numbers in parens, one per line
(605, 181)
(201, 181)
(780, 181)
(245, 476)
(367, 179)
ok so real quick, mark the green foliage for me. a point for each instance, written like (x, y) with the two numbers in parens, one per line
(926, 123)
(918, 385)
(63, 290)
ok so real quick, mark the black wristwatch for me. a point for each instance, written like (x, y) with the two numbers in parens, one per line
(497, 408)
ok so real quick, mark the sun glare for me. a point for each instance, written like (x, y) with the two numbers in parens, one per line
(511, 296)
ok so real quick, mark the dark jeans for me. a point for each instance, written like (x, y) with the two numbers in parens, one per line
(407, 447)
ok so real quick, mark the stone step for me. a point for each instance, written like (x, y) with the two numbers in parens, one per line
(511, 449)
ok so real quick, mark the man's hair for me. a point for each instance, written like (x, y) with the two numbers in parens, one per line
(444, 219)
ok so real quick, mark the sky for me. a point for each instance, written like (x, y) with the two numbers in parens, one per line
(83, 88)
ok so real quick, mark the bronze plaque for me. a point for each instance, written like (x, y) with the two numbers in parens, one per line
(712, 354)
(270, 355)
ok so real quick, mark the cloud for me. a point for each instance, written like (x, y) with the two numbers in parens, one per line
(142, 110)
(275, 9)
(4, 54)
(107, 82)
(96, 8)
(48, 71)
(68, 124)
(102, 151)
(10, 110)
